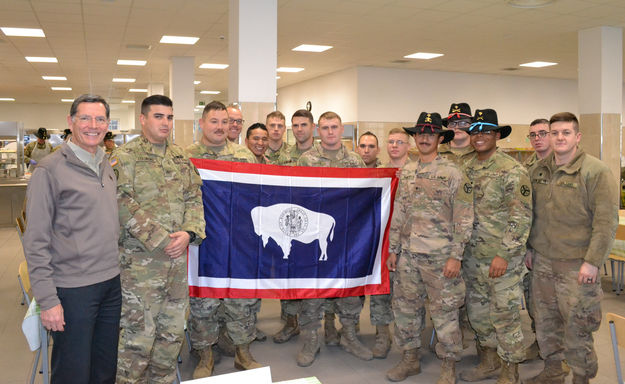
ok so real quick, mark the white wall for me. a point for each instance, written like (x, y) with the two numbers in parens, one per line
(335, 92)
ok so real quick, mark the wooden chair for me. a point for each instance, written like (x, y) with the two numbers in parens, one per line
(617, 273)
(617, 332)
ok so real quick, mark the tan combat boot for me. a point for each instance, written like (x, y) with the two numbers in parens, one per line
(351, 344)
(310, 349)
(206, 364)
(408, 366)
(448, 372)
(243, 359)
(331, 334)
(551, 374)
(577, 379)
(382, 342)
(532, 352)
(487, 368)
(290, 329)
(509, 373)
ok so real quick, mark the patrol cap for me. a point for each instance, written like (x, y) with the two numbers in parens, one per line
(486, 120)
(458, 111)
(109, 136)
(42, 133)
(430, 123)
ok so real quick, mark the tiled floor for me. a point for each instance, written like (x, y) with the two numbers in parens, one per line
(333, 366)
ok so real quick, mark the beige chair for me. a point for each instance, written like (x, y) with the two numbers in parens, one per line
(618, 272)
(617, 331)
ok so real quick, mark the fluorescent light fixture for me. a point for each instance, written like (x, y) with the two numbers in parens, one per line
(312, 48)
(23, 32)
(138, 90)
(210, 92)
(538, 64)
(529, 3)
(213, 66)
(54, 78)
(139, 63)
(423, 55)
(289, 69)
(179, 40)
(67, 100)
(35, 59)
(61, 88)
(122, 80)
(128, 101)
(196, 82)
(7, 99)
(277, 77)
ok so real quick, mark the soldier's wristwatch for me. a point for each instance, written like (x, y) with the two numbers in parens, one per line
(192, 236)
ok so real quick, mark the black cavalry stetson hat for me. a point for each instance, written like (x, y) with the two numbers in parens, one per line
(42, 133)
(458, 111)
(486, 120)
(430, 123)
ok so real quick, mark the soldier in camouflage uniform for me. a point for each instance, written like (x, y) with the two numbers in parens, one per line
(240, 314)
(397, 146)
(575, 221)
(303, 126)
(160, 213)
(278, 148)
(256, 141)
(368, 149)
(459, 150)
(493, 261)
(330, 153)
(431, 225)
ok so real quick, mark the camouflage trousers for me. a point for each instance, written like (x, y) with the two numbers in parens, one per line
(380, 311)
(312, 310)
(238, 314)
(290, 307)
(493, 306)
(566, 313)
(419, 277)
(154, 305)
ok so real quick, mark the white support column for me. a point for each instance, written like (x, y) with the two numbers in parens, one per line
(182, 93)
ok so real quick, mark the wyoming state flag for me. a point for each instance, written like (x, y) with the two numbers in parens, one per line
(292, 232)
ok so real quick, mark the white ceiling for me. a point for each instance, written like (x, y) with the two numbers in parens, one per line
(480, 36)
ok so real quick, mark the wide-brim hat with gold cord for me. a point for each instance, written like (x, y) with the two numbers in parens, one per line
(430, 123)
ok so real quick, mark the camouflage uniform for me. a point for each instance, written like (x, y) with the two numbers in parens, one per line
(458, 156)
(158, 194)
(575, 221)
(503, 213)
(281, 156)
(432, 221)
(531, 161)
(240, 314)
(348, 308)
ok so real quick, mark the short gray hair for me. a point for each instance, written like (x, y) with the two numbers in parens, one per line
(87, 98)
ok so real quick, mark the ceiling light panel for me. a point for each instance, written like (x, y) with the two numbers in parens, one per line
(289, 69)
(210, 92)
(138, 90)
(538, 64)
(67, 100)
(7, 99)
(54, 78)
(122, 80)
(186, 40)
(423, 55)
(138, 63)
(23, 32)
(128, 101)
(213, 66)
(311, 48)
(37, 59)
(61, 88)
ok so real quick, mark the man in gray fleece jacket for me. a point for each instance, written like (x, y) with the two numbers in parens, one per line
(71, 249)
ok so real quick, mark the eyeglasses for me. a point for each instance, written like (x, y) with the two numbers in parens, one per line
(238, 121)
(99, 120)
(534, 135)
(458, 124)
(483, 133)
(398, 142)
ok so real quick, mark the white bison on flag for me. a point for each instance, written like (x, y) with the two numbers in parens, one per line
(287, 222)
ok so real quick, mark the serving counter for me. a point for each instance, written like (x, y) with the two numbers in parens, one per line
(12, 192)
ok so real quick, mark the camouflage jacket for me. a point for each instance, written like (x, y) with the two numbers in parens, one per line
(230, 152)
(317, 157)
(531, 161)
(502, 200)
(433, 211)
(459, 156)
(157, 195)
(281, 156)
(575, 209)
(294, 154)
